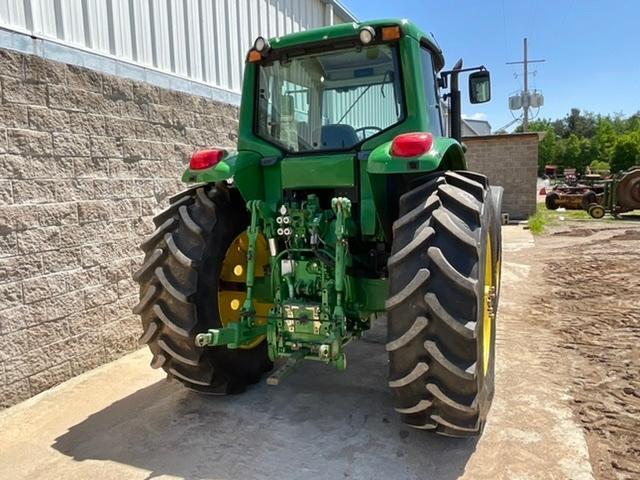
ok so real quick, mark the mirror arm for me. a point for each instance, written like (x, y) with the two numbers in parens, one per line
(455, 104)
(481, 68)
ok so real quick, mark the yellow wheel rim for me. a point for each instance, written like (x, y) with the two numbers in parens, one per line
(487, 320)
(232, 283)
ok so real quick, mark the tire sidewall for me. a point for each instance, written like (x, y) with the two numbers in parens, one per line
(486, 380)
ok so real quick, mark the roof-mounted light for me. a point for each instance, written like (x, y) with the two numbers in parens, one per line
(261, 45)
(367, 34)
(390, 33)
(254, 56)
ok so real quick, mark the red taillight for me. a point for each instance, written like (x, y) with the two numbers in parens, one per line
(411, 144)
(205, 159)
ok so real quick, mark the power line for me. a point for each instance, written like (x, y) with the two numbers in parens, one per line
(515, 119)
(525, 96)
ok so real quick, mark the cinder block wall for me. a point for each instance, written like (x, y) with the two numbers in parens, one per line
(512, 162)
(85, 161)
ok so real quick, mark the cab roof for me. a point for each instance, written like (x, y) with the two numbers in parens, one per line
(351, 29)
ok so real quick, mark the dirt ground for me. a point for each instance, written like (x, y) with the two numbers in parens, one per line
(590, 297)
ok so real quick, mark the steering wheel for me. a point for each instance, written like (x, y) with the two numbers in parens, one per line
(364, 129)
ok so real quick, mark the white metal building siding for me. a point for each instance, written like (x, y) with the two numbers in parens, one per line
(370, 107)
(202, 40)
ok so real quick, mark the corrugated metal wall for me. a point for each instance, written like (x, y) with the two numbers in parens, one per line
(203, 40)
(364, 107)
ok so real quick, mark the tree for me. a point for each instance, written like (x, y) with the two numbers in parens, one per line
(598, 166)
(579, 124)
(547, 149)
(571, 152)
(582, 139)
(535, 126)
(626, 152)
(604, 139)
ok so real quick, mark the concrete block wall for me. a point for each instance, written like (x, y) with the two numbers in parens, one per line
(510, 161)
(86, 159)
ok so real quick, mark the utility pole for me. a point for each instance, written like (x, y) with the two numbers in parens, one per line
(525, 96)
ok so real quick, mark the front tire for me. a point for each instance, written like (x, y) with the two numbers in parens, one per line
(596, 211)
(441, 329)
(179, 291)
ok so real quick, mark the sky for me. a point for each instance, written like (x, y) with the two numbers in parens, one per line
(591, 48)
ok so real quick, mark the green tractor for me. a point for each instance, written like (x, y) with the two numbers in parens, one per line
(344, 202)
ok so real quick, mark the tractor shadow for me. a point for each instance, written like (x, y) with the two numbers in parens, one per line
(319, 423)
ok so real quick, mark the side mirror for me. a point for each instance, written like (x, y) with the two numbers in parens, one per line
(480, 87)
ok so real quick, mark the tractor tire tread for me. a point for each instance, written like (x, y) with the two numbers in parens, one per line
(180, 293)
(145, 299)
(418, 326)
(410, 200)
(421, 406)
(148, 333)
(457, 279)
(478, 177)
(418, 371)
(170, 322)
(149, 264)
(159, 232)
(467, 184)
(420, 278)
(433, 299)
(174, 352)
(177, 253)
(173, 296)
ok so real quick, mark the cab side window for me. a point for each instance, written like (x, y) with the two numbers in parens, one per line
(431, 94)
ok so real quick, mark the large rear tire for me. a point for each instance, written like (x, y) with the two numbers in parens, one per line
(443, 274)
(179, 291)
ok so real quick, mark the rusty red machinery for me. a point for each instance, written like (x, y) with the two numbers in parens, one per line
(576, 196)
(615, 195)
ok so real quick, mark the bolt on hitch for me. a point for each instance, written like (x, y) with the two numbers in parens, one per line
(205, 339)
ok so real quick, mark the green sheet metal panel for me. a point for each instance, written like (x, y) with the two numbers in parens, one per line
(319, 171)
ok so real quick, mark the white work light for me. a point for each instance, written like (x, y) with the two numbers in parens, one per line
(366, 35)
(261, 45)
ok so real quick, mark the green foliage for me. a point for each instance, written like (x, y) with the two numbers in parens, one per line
(538, 220)
(544, 219)
(599, 166)
(626, 152)
(581, 140)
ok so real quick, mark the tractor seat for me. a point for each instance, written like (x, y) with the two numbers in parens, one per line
(338, 136)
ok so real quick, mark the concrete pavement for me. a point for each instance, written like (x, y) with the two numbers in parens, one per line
(123, 420)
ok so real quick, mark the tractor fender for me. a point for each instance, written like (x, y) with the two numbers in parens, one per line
(445, 154)
(242, 168)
